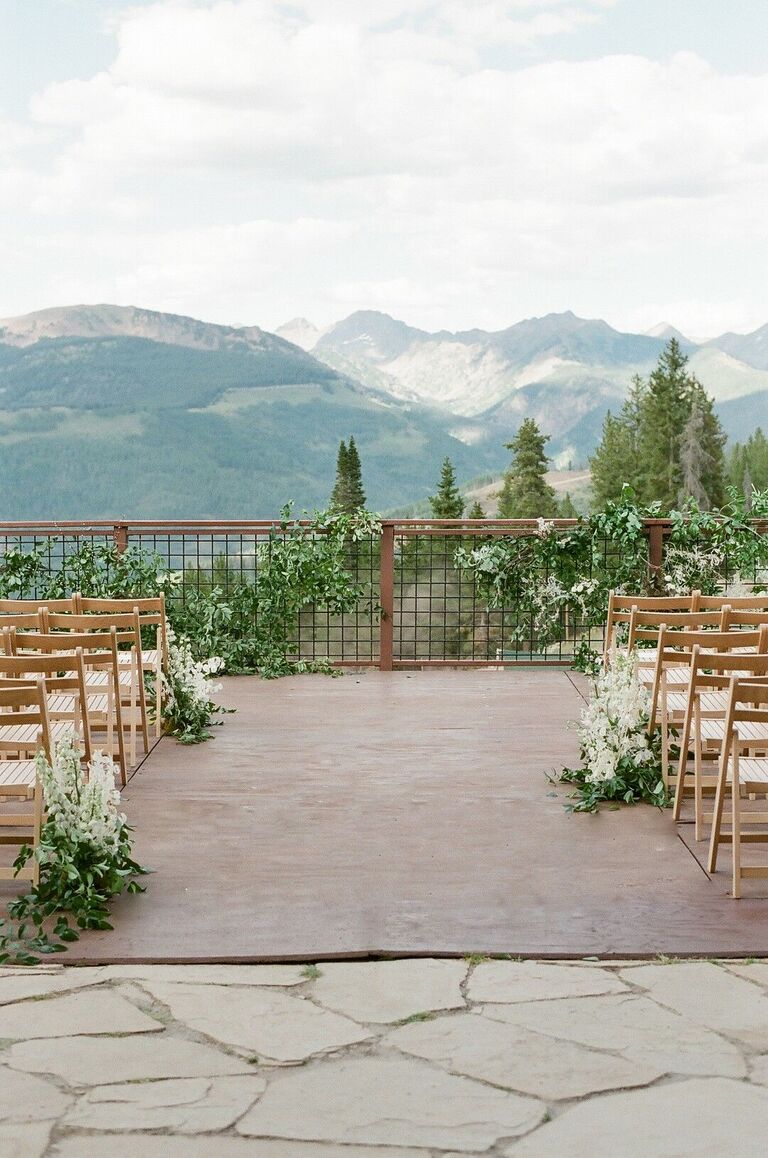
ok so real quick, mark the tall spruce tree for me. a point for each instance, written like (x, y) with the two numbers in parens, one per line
(616, 461)
(566, 508)
(476, 511)
(702, 462)
(447, 503)
(672, 394)
(339, 492)
(748, 463)
(526, 494)
(357, 498)
(348, 494)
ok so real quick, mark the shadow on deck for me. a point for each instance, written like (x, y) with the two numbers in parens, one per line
(404, 814)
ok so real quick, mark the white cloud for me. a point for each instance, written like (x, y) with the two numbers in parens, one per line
(397, 151)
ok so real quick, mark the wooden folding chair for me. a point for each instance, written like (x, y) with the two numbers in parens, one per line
(672, 676)
(130, 662)
(65, 681)
(151, 617)
(24, 705)
(703, 722)
(620, 609)
(102, 667)
(740, 776)
(644, 628)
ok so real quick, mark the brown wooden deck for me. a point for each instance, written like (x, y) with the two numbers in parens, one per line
(394, 813)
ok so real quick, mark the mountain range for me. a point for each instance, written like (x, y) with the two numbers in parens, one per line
(114, 411)
(562, 370)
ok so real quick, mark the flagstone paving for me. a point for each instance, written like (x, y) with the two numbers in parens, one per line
(414, 1058)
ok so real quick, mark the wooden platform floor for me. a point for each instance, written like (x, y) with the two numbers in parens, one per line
(405, 814)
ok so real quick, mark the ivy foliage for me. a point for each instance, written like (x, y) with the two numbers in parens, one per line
(559, 575)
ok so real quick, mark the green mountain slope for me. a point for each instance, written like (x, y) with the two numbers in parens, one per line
(204, 423)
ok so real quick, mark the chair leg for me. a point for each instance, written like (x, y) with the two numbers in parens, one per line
(698, 804)
(717, 815)
(736, 832)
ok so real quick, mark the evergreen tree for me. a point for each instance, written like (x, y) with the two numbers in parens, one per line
(526, 493)
(672, 395)
(476, 511)
(348, 494)
(447, 503)
(701, 450)
(748, 463)
(340, 490)
(357, 497)
(616, 461)
(567, 509)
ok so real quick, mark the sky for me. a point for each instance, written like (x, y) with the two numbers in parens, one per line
(454, 163)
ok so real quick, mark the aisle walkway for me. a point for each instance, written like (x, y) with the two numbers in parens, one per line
(404, 814)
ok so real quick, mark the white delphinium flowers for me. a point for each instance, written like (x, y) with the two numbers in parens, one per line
(189, 674)
(613, 726)
(82, 804)
(189, 690)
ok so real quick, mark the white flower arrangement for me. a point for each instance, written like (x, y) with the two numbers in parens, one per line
(82, 804)
(619, 760)
(190, 688)
(614, 723)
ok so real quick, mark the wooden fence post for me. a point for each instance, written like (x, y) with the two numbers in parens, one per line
(120, 537)
(386, 596)
(655, 549)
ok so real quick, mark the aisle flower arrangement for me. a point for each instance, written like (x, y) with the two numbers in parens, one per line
(85, 856)
(190, 687)
(619, 760)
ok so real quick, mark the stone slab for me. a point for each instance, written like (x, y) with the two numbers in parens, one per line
(699, 1118)
(184, 1105)
(518, 1059)
(389, 1101)
(25, 1098)
(269, 1024)
(168, 1146)
(388, 991)
(630, 1025)
(710, 995)
(502, 981)
(94, 1061)
(76, 1013)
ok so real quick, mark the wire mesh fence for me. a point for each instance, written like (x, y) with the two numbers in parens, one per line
(421, 608)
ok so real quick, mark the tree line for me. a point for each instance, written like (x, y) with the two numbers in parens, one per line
(666, 442)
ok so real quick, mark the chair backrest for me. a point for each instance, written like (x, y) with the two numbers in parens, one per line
(24, 620)
(758, 602)
(644, 626)
(620, 610)
(126, 626)
(743, 617)
(715, 669)
(22, 705)
(31, 605)
(62, 674)
(748, 703)
(92, 644)
(151, 613)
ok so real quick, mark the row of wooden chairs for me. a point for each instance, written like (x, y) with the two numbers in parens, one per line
(707, 671)
(73, 667)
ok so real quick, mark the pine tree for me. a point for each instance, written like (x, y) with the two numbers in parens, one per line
(476, 511)
(665, 411)
(748, 463)
(711, 448)
(339, 494)
(567, 509)
(348, 494)
(695, 460)
(447, 503)
(357, 498)
(526, 493)
(616, 462)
